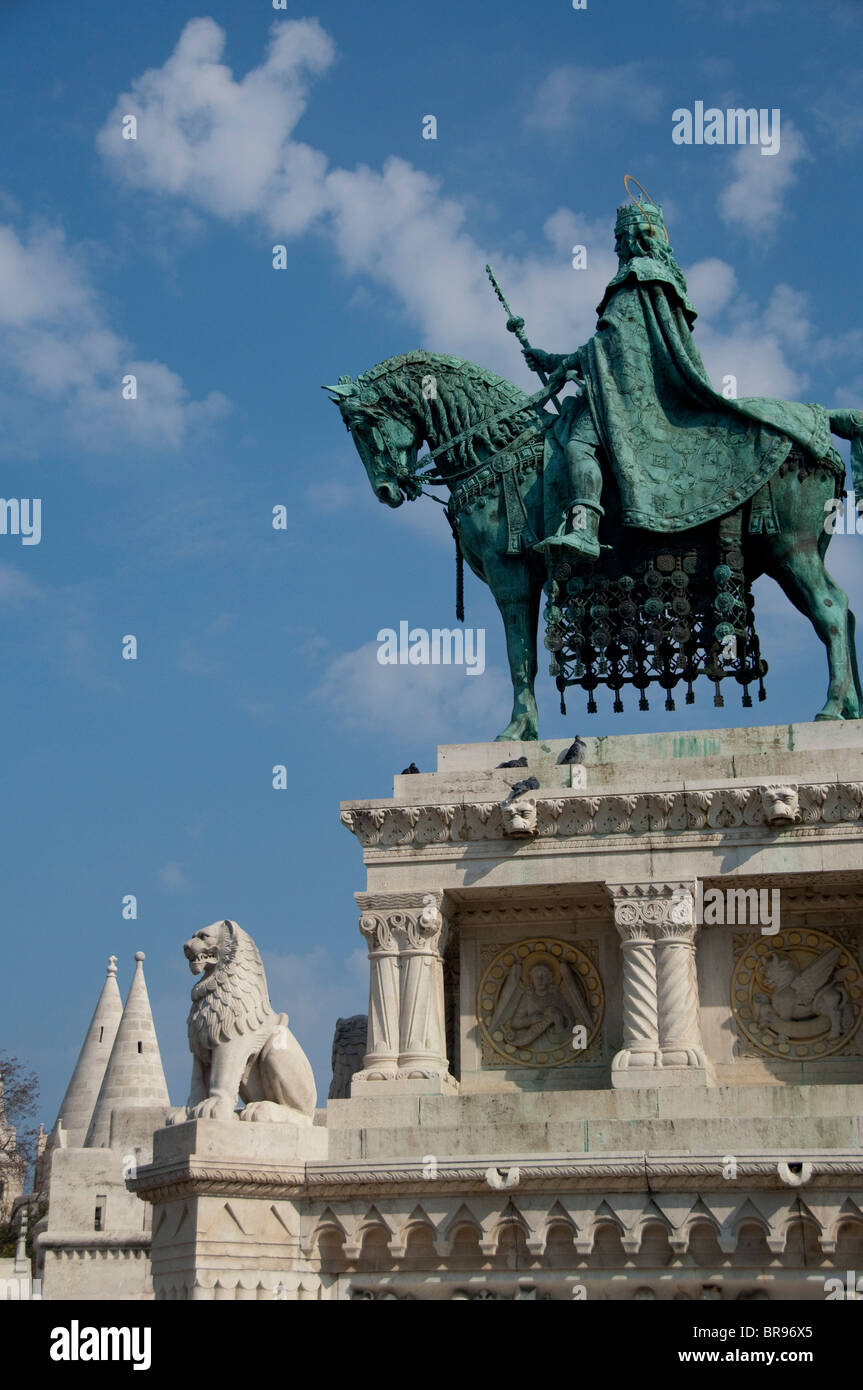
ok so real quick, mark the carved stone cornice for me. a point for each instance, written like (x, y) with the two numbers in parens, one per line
(644, 813)
(524, 915)
(102, 1241)
(191, 1177)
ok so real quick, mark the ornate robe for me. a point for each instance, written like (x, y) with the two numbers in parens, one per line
(681, 452)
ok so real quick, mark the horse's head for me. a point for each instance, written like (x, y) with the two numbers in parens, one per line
(387, 444)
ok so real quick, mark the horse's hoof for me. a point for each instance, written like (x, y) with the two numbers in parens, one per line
(822, 717)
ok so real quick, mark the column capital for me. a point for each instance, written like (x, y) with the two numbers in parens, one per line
(647, 911)
(397, 922)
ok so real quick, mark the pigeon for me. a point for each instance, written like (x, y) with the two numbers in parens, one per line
(411, 768)
(575, 753)
(529, 784)
(514, 762)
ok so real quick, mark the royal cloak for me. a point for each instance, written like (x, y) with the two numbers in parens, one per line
(682, 454)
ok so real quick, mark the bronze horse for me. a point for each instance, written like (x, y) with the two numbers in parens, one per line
(487, 439)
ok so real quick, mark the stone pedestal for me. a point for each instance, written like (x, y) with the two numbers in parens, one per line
(226, 1217)
(573, 1088)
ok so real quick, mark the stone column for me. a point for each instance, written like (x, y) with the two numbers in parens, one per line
(422, 1037)
(661, 1032)
(407, 1036)
(381, 1060)
(640, 1056)
(640, 1010)
(677, 986)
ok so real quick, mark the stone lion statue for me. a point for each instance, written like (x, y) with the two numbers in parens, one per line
(240, 1045)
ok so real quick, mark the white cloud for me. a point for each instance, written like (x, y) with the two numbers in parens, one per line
(55, 338)
(838, 110)
(84, 656)
(196, 659)
(787, 314)
(337, 496)
(394, 226)
(38, 281)
(315, 989)
(755, 346)
(711, 285)
(753, 200)
(570, 92)
(753, 356)
(171, 877)
(15, 586)
(413, 702)
(222, 143)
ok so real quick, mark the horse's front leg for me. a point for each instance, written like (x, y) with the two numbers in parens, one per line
(517, 591)
(801, 572)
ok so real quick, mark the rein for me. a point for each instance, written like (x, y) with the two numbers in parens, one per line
(411, 481)
(435, 479)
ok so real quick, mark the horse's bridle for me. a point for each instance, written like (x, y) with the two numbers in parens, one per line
(411, 481)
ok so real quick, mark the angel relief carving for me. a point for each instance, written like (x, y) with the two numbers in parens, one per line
(540, 1003)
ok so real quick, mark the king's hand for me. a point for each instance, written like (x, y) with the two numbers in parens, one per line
(540, 361)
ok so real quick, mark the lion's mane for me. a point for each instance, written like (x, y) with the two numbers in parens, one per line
(233, 999)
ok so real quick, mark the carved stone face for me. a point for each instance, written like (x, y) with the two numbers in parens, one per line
(202, 950)
(780, 805)
(519, 817)
(541, 979)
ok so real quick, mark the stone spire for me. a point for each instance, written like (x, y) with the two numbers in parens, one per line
(134, 1075)
(76, 1111)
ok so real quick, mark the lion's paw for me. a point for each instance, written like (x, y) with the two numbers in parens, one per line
(213, 1108)
(268, 1111)
(177, 1115)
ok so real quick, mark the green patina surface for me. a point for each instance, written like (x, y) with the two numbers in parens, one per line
(687, 746)
(649, 448)
(682, 453)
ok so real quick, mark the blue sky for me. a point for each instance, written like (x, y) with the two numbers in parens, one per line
(257, 647)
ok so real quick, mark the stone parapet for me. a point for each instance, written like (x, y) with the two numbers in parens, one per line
(269, 1216)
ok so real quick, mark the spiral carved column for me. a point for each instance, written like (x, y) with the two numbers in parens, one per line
(661, 1032)
(640, 1007)
(677, 984)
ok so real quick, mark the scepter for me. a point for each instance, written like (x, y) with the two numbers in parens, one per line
(516, 325)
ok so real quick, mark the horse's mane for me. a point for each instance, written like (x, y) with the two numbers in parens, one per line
(464, 392)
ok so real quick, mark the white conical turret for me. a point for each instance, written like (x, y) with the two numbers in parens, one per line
(134, 1075)
(76, 1110)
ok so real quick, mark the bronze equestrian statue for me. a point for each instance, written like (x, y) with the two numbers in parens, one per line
(647, 506)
